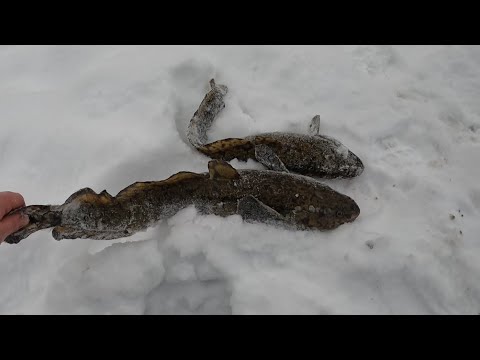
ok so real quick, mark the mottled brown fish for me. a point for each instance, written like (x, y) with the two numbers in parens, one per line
(310, 154)
(277, 198)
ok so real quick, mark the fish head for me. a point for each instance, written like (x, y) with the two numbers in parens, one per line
(345, 210)
(327, 209)
(337, 156)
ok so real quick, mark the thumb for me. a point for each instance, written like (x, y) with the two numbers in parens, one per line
(11, 224)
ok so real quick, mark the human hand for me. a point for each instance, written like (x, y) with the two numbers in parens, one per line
(11, 223)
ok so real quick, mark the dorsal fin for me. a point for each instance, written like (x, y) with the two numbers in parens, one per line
(220, 169)
(89, 196)
(225, 144)
(314, 127)
(229, 149)
(76, 194)
(222, 89)
(105, 197)
(138, 186)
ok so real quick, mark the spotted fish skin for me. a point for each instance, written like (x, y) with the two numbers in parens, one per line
(290, 200)
(311, 155)
(318, 155)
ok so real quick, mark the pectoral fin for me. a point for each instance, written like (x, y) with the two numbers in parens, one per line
(267, 157)
(253, 210)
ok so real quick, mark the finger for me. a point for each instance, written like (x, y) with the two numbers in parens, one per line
(10, 201)
(11, 224)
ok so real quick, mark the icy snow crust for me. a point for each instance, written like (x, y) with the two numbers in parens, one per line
(107, 116)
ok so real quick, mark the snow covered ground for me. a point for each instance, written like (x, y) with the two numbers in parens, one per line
(107, 116)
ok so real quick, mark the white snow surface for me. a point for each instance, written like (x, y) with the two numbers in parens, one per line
(107, 116)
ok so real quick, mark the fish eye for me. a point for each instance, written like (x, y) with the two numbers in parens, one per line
(339, 213)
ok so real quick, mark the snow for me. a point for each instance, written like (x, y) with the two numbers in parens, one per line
(107, 116)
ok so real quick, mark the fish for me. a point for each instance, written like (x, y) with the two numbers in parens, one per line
(311, 154)
(287, 200)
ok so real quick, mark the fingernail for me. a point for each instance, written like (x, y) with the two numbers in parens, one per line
(24, 219)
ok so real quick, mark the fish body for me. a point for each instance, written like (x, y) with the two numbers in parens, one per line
(319, 155)
(284, 199)
(310, 154)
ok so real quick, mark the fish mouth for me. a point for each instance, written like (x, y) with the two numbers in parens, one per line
(352, 213)
(355, 214)
(353, 217)
(356, 167)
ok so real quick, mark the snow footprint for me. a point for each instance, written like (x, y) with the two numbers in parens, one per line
(192, 285)
(190, 298)
(416, 94)
(475, 198)
(453, 116)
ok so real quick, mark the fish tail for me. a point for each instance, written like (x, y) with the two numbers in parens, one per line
(206, 113)
(40, 216)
